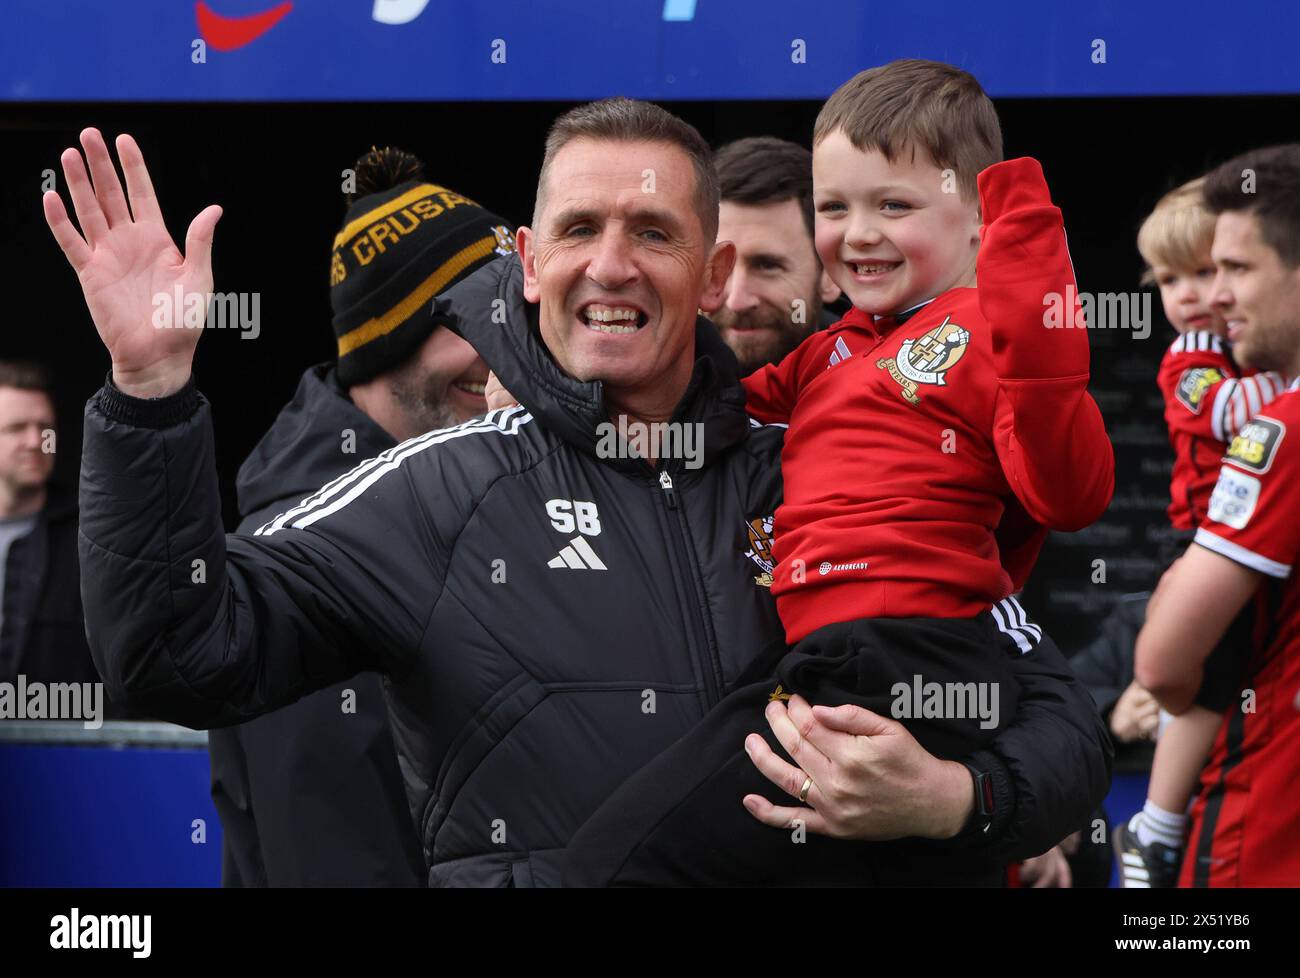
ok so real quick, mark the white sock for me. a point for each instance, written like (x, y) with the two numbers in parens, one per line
(1154, 824)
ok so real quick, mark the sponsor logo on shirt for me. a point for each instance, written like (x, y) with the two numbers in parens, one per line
(826, 567)
(1233, 501)
(926, 358)
(1256, 444)
(1193, 384)
(840, 353)
(567, 516)
(578, 555)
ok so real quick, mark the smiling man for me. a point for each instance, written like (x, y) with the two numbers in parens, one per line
(777, 290)
(548, 618)
(1245, 821)
(619, 291)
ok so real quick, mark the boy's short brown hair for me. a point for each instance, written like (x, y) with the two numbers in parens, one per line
(927, 104)
(1178, 232)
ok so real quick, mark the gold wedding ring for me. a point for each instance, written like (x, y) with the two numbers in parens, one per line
(803, 792)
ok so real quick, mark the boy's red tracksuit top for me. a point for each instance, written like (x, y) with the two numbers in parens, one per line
(926, 459)
(1208, 399)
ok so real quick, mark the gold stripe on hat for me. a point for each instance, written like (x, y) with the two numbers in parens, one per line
(353, 228)
(424, 292)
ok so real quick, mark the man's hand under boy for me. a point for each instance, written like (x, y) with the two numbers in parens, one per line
(871, 780)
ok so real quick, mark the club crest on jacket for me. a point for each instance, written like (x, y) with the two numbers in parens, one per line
(759, 531)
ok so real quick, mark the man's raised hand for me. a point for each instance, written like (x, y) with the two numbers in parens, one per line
(124, 258)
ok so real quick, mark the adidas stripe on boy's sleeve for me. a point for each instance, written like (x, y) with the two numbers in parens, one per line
(1252, 514)
(1205, 394)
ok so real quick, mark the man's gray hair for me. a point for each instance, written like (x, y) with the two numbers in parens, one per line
(629, 120)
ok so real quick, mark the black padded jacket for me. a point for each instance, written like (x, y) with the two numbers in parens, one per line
(547, 618)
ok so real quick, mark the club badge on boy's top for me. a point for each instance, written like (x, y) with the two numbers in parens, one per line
(925, 359)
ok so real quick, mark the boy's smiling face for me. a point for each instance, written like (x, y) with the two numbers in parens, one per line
(887, 232)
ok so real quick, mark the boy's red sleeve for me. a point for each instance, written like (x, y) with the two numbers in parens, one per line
(770, 391)
(1049, 433)
(1203, 395)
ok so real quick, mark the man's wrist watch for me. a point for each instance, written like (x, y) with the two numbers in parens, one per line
(981, 816)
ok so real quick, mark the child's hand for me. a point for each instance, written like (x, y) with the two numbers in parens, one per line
(1135, 716)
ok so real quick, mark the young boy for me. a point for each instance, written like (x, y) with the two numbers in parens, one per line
(934, 435)
(1208, 399)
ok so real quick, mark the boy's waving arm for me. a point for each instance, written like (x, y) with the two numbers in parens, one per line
(1048, 430)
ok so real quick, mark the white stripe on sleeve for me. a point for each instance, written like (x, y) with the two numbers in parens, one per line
(1002, 615)
(1240, 399)
(1236, 552)
(347, 487)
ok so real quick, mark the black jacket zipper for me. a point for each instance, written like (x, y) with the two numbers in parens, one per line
(712, 667)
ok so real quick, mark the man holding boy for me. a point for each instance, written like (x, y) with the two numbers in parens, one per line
(1245, 821)
(923, 465)
(1208, 400)
(523, 688)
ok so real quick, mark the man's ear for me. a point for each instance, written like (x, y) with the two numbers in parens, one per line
(528, 258)
(717, 270)
(827, 287)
